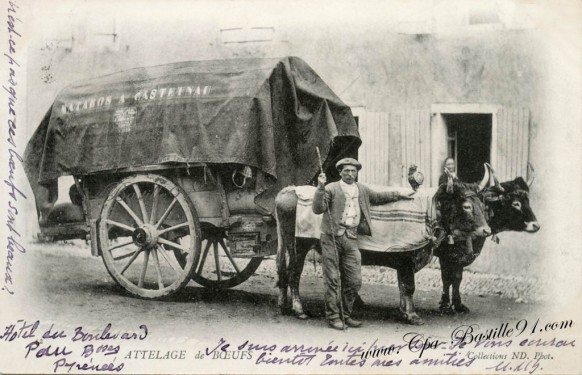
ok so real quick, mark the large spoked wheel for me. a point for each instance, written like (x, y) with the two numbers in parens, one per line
(218, 269)
(144, 219)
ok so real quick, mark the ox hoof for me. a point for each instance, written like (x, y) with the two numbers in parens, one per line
(302, 316)
(285, 310)
(412, 319)
(461, 309)
(446, 309)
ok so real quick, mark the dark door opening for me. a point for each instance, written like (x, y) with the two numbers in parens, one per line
(469, 143)
(357, 118)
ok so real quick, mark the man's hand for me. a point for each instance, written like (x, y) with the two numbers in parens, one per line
(406, 195)
(321, 180)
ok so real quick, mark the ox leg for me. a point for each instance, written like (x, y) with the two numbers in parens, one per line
(445, 303)
(283, 280)
(296, 269)
(359, 302)
(285, 256)
(406, 285)
(457, 277)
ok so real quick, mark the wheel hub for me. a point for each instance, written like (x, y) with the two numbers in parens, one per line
(146, 235)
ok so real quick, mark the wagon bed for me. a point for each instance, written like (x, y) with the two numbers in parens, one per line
(177, 166)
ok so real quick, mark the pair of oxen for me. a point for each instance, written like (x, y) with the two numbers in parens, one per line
(468, 213)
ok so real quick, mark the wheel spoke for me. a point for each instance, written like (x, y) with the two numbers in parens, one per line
(129, 210)
(120, 245)
(166, 213)
(204, 255)
(162, 251)
(172, 244)
(129, 262)
(144, 213)
(144, 268)
(125, 255)
(155, 203)
(227, 252)
(148, 235)
(158, 270)
(173, 228)
(216, 260)
(120, 225)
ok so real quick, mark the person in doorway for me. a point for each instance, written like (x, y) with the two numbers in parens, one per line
(347, 207)
(448, 165)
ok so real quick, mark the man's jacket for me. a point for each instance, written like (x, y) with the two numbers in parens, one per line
(333, 196)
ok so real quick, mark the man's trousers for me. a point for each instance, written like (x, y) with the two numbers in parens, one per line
(350, 265)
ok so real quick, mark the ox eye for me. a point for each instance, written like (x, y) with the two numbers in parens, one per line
(467, 206)
(516, 204)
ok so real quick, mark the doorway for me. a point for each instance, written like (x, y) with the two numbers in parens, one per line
(469, 143)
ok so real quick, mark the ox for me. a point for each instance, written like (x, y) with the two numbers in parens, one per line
(507, 209)
(462, 211)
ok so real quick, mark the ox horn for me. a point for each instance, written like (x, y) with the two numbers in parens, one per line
(531, 175)
(495, 180)
(486, 177)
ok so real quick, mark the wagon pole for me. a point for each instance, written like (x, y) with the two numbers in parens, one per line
(340, 299)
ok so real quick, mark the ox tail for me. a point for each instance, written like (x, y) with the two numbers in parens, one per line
(285, 206)
(281, 259)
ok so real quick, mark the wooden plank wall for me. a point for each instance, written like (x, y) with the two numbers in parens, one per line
(395, 149)
(513, 129)
(416, 131)
(374, 152)
(391, 141)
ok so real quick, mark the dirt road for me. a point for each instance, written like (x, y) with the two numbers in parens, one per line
(69, 283)
(68, 288)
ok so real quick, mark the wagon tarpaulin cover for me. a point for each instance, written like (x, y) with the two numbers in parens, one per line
(269, 114)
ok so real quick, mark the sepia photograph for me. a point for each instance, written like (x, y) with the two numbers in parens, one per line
(277, 187)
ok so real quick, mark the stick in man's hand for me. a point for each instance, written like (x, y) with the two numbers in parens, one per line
(321, 180)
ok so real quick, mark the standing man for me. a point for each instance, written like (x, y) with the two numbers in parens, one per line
(349, 204)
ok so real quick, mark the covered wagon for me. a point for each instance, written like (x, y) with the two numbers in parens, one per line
(176, 167)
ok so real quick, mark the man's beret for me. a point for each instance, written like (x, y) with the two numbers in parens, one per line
(348, 161)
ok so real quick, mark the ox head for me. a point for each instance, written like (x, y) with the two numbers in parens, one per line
(462, 213)
(509, 207)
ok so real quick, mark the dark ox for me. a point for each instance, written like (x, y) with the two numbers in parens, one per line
(507, 209)
(464, 214)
